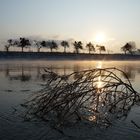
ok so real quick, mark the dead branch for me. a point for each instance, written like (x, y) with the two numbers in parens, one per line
(95, 95)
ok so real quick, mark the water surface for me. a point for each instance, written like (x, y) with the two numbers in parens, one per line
(20, 79)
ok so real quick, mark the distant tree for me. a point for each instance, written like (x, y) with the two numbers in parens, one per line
(23, 42)
(7, 48)
(129, 47)
(65, 44)
(77, 46)
(101, 48)
(52, 45)
(10, 43)
(38, 45)
(126, 48)
(43, 44)
(90, 47)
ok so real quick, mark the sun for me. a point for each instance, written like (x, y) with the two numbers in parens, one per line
(100, 37)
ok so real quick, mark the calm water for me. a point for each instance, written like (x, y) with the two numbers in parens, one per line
(20, 79)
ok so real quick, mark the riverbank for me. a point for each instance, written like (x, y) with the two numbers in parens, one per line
(66, 56)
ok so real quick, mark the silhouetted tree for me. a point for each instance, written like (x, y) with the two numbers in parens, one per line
(7, 48)
(90, 47)
(101, 48)
(43, 44)
(38, 45)
(65, 44)
(77, 46)
(52, 45)
(23, 42)
(10, 43)
(129, 47)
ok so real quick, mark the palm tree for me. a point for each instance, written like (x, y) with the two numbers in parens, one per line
(77, 46)
(101, 48)
(90, 47)
(65, 44)
(24, 43)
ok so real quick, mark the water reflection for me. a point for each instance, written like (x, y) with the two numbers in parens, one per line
(99, 83)
(7, 69)
(13, 93)
(26, 73)
(99, 65)
(35, 71)
(19, 74)
(130, 71)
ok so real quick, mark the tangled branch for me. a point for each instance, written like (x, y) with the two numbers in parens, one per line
(96, 96)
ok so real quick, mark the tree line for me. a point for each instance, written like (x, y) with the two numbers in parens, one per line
(52, 45)
(22, 42)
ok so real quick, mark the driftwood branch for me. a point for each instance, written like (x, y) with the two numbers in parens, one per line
(135, 124)
(96, 96)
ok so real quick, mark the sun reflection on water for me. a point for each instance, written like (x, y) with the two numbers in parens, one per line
(92, 118)
(99, 65)
(99, 81)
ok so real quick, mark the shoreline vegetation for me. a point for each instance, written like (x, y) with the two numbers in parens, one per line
(66, 56)
(58, 50)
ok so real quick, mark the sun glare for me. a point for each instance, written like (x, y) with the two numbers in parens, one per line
(100, 37)
(99, 65)
(99, 81)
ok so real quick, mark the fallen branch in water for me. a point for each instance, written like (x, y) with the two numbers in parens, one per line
(96, 95)
(135, 124)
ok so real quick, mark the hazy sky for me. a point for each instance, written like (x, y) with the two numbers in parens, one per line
(116, 21)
